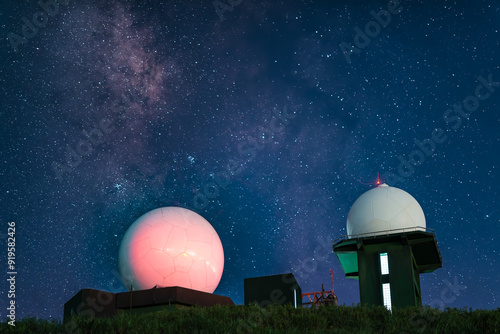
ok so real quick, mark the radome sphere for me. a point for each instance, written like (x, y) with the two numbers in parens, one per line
(384, 210)
(171, 246)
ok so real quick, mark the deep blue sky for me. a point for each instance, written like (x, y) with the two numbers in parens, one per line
(188, 94)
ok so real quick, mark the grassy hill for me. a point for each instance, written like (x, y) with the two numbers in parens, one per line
(276, 319)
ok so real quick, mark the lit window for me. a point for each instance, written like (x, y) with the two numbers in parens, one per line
(386, 292)
(384, 264)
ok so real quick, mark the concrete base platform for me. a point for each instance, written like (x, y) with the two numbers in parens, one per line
(96, 303)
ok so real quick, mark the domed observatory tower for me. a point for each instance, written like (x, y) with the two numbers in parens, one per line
(387, 247)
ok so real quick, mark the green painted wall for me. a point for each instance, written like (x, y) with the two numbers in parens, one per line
(403, 275)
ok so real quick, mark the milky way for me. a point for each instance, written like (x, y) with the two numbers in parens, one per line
(258, 123)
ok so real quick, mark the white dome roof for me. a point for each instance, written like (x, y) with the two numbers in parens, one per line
(385, 210)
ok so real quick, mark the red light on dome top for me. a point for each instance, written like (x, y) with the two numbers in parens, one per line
(373, 183)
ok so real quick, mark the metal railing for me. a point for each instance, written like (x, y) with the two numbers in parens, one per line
(379, 233)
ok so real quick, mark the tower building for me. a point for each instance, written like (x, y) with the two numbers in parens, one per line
(387, 247)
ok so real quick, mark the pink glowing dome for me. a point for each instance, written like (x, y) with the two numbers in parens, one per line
(171, 246)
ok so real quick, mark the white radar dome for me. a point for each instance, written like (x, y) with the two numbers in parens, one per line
(385, 210)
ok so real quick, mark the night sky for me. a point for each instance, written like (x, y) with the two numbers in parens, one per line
(267, 118)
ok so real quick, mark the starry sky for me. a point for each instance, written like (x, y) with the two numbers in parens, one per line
(267, 118)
